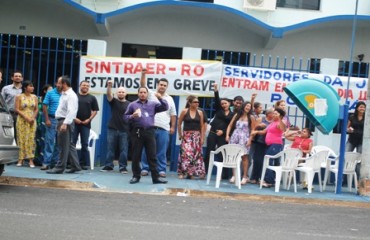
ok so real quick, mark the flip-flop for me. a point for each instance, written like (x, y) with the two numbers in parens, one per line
(266, 185)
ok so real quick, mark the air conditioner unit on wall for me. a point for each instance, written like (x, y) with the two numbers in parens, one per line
(261, 5)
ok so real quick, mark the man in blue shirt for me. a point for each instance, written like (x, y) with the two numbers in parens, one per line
(49, 106)
(140, 114)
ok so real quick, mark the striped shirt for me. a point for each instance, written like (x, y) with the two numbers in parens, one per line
(52, 100)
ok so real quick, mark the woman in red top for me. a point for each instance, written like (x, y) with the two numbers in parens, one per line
(301, 140)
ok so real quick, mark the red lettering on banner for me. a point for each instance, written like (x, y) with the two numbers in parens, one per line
(124, 67)
(89, 67)
(363, 95)
(245, 83)
(185, 69)
(117, 66)
(279, 86)
(343, 93)
(161, 68)
(128, 68)
(198, 70)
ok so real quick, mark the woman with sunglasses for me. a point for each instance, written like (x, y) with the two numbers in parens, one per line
(191, 134)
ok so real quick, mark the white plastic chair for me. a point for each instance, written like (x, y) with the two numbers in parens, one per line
(311, 166)
(231, 158)
(288, 162)
(326, 162)
(351, 159)
(92, 142)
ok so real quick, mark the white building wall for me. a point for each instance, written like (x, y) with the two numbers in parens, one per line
(279, 18)
(197, 31)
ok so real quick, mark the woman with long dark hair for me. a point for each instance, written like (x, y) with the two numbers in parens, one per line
(355, 128)
(217, 134)
(274, 141)
(27, 110)
(241, 126)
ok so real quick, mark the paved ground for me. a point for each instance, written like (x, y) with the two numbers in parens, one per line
(94, 180)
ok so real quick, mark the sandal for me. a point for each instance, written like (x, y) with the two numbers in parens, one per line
(232, 179)
(244, 181)
(253, 181)
(266, 185)
(190, 177)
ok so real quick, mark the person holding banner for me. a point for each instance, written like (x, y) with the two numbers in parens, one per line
(217, 134)
(117, 134)
(190, 162)
(241, 126)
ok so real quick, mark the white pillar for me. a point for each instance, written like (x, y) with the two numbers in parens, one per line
(97, 48)
(188, 53)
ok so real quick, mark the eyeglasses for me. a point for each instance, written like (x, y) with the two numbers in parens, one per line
(195, 102)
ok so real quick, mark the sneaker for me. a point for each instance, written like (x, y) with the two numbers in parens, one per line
(123, 170)
(45, 167)
(106, 169)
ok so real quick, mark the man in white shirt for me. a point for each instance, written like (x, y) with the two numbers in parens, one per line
(65, 114)
(164, 122)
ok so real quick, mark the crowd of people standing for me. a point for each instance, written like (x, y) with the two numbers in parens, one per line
(147, 124)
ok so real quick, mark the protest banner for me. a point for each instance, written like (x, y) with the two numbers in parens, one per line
(269, 84)
(184, 77)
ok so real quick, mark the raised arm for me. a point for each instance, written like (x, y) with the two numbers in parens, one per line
(143, 78)
(109, 91)
(253, 97)
(217, 97)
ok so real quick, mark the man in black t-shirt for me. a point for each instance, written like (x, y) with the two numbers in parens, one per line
(87, 110)
(118, 128)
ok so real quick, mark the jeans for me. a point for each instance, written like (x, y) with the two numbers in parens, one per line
(350, 147)
(116, 138)
(162, 139)
(272, 150)
(51, 149)
(84, 133)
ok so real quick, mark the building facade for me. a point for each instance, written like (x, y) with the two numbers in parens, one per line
(267, 31)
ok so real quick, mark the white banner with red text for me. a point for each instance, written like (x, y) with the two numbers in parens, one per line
(184, 77)
(197, 77)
